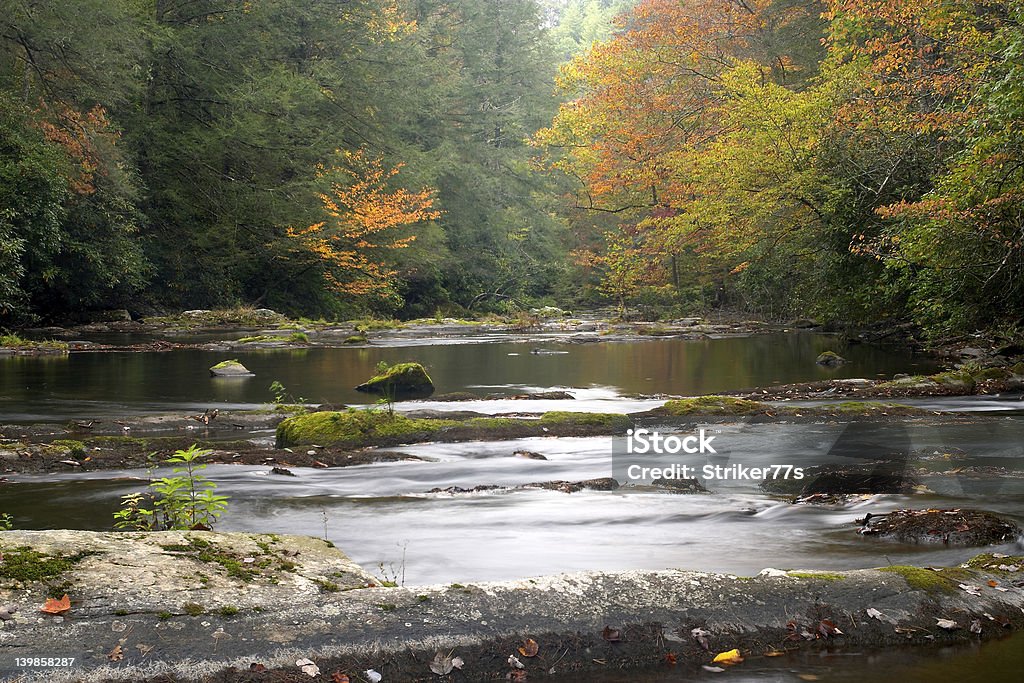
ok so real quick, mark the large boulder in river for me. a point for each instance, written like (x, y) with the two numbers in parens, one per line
(956, 527)
(830, 358)
(230, 368)
(404, 380)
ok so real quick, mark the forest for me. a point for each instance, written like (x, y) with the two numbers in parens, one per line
(847, 160)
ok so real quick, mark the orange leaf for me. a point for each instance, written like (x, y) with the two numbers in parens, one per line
(54, 606)
(992, 583)
(338, 677)
(529, 648)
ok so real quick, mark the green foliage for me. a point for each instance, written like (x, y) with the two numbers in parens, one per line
(184, 500)
(6, 521)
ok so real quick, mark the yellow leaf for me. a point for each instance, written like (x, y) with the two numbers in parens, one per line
(729, 657)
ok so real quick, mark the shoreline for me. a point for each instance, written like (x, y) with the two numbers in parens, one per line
(172, 612)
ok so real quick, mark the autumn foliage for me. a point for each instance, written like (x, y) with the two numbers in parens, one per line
(778, 148)
(363, 214)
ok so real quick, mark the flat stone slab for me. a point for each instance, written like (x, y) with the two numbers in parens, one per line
(140, 610)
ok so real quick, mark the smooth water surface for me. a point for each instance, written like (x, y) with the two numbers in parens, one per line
(96, 384)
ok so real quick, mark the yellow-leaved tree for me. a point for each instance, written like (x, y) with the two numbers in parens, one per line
(364, 215)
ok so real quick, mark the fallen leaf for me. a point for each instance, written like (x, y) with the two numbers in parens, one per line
(308, 667)
(728, 657)
(808, 677)
(144, 649)
(671, 659)
(947, 624)
(442, 664)
(992, 583)
(517, 676)
(881, 616)
(529, 648)
(712, 669)
(612, 635)
(775, 653)
(259, 668)
(514, 662)
(338, 677)
(116, 655)
(374, 676)
(973, 590)
(54, 606)
(458, 663)
(828, 629)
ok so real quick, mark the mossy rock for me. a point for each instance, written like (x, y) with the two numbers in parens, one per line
(992, 373)
(356, 427)
(404, 380)
(612, 421)
(958, 379)
(959, 527)
(355, 339)
(230, 368)
(830, 358)
(1017, 369)
(714, 405)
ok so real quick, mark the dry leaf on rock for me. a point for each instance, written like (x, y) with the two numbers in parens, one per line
(54, 606)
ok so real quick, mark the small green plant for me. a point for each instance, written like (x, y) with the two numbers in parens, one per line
(184, 500)
(281, 395)
(6, 522)
(301, 337)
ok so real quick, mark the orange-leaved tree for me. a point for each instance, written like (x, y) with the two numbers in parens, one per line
(364, 215)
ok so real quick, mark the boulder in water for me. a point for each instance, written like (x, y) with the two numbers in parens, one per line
(404, 380)
(230, 368)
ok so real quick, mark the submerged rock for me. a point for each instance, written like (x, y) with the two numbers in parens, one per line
(230, 368)
(959, 527)
(529, 455)
(404, 380)
(680, 485)
(842, 480)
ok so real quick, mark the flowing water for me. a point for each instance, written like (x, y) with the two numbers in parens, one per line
(383, 516)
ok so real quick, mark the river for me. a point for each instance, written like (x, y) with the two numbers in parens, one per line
(383, 517)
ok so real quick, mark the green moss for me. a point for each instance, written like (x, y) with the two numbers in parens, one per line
(228, 611)
(714, 405)
(943, 580)
(27, 565)
(226, 363)
(954, 379)
(494, 422)
(13, 341)
(356, 339)
(326, 586)
(991, 373)
(120, 613)
(423, 598)
(399, 379)
(990, 563)
(610, 420)
(76, 448)
(388, 607)
(164, 616)
(869, 408)
(1018, 369)
(193, 609)
(823, 576)
(356, 427)
(368, 324)
(457, 585)
(204, 551)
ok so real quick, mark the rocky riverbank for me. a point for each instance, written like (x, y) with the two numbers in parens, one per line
(241, 607)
